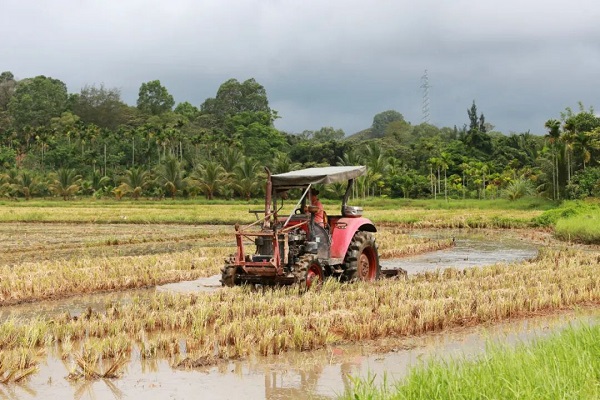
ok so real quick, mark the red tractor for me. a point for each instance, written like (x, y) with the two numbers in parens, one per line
(294, 248)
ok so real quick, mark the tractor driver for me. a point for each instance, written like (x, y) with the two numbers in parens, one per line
(314, 201)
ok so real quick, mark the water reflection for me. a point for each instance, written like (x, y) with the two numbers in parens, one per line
(279, 385)
(85, 389)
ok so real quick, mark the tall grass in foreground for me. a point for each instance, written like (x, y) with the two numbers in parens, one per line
(565, 366)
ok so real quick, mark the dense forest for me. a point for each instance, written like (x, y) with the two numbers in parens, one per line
(56, 143)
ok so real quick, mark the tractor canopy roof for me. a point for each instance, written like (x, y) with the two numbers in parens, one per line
(311, 176)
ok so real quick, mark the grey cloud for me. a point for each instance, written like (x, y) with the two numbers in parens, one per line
(323, 63)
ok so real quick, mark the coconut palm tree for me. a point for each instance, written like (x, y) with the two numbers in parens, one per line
(518, 188)
(376, 163)
(6, 185)
(351, 158)
(27, 184)
(96, 182)
(136, 180)
(65, 183)
(210, 177)
(283, 163)
(230, 158)
(586, 142)
(247, 178)
(170, 176)
(121, 191)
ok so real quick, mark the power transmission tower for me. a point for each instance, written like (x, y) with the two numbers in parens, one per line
(425, 106)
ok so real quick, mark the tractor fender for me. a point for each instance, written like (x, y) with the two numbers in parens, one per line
(343, 232)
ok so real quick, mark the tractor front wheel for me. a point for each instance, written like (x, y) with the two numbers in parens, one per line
(308, 273)
(228, 274)
(362, 258)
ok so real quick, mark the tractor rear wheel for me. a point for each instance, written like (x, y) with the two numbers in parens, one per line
(308, 272)
(362, 258)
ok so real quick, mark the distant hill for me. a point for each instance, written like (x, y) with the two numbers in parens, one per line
(361, 135)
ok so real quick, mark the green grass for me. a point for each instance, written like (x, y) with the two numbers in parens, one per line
(528, 203)
(414, 213)
(584, 228)
(566, 366)
(380, 203)
(566, 209)
(577, 221)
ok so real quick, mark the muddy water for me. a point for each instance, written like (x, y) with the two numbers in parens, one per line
(470, 250)
(72, 305)
(320, 374)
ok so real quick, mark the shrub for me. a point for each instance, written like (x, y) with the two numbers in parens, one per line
(518, 188)
(566, 210)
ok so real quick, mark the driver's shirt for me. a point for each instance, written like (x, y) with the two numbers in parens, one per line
(319, 214)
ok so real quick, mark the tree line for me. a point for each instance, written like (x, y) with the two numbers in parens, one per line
(56, 143)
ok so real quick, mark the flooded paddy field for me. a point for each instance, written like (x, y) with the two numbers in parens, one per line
(30, 242)
(471, 249)
(320, 373)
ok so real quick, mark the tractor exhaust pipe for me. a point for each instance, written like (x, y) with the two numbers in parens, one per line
(268, 193)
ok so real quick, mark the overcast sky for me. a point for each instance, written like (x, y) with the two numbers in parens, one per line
(323, 62)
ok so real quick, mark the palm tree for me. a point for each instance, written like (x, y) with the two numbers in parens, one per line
(247, 177)
(210, 177)
(464, 168)
(434, 162)
(136, 181)
(96, 182)
(65, 183)
(7, 185)
(586, 142)
(121, 191)
(445, 163)
(27, 184)
(170, 177)
(518, 188)
(376, 164)
(553, 137)
(351, 158)
(230, 158)
(485, 169)
(336, 190)
(282, 163)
